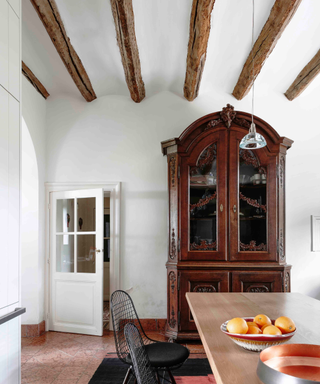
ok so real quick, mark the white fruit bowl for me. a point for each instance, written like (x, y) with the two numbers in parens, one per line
(256, 343)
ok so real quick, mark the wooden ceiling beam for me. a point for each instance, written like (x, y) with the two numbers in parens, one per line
(49, 15)
(280, 16)
(123, 15)
(197, 48)
(29, 75)
(305, 77)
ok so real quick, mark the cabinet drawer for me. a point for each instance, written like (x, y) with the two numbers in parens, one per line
(198, 281)
(257, 282)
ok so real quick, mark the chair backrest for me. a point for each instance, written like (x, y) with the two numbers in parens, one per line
(122, 313)
(140, 360)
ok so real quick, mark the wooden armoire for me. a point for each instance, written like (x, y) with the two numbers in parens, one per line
(226, 214)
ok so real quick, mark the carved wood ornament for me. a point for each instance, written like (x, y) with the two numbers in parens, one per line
(202, 202)
(281, 171)
(173, 252)
(207, 156)
(252, 246)
(252, 202)
(172, 279)
(173, 321)
(204, 288)
(203, 246)
(173, 170)
(257, 289)
(281, 245)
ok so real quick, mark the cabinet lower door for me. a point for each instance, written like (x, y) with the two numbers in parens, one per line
(257, 282)
(198, 281)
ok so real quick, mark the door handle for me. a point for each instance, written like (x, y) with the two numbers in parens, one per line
(98, 250)
(234, 208)
(221, 207)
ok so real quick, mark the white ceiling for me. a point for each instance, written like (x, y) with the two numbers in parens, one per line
(162, 30)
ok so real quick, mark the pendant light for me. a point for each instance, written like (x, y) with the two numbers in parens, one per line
(253, 140)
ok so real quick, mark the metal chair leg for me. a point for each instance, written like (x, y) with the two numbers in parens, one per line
(128, 375)
(171, 377)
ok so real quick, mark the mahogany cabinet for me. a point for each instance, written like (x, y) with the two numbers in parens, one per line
(226, 213)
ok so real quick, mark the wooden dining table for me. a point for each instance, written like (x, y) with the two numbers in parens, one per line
(230, 363)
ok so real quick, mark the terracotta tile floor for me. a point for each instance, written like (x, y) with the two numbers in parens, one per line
(65, 358)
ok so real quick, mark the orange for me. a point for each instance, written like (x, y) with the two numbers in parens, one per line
(252, 323)
(266, 325)
(272, 330)
(237, 325)
(262, 320)
(285, 324)
(253, 330)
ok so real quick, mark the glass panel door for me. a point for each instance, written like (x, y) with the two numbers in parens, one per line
(204, 200)
(252, 237)
(76, 273)
(252, 203)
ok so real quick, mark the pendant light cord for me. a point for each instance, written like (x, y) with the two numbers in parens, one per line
(252, 41)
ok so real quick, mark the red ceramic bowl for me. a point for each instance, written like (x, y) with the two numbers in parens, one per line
(256, 343)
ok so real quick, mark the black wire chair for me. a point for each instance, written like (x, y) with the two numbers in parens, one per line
(163, 356)
(141, 364)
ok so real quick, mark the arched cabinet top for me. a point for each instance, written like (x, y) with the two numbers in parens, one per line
(227, 119)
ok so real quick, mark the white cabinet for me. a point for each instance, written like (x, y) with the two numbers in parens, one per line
(10, 351)
(4, 43)
(15, 4)
(14, 54)
(4, 198)
(14, 200)
(9, 198)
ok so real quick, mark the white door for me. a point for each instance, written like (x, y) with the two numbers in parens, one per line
(76, 261)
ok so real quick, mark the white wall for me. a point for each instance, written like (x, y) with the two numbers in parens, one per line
(33, 204)
(29, 228)
(113, 138)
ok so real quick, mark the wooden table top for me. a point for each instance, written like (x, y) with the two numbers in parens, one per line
(230, 363)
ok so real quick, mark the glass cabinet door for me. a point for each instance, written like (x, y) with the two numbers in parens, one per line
(252, 204)
(203, 201)
(203, 223)
(250, 209)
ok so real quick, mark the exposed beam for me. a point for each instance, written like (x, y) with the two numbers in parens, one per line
(29, 75)
(123, 15)
(304, 78)
(51, 19)
(197, 47)
(280, 16)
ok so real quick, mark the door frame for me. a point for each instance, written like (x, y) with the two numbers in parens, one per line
(114, 188)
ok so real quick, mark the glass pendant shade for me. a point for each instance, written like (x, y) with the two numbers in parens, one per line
(253, 140)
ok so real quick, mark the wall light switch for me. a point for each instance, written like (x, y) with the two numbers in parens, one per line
(315, 233)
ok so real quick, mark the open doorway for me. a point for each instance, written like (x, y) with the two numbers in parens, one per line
(106, 261)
